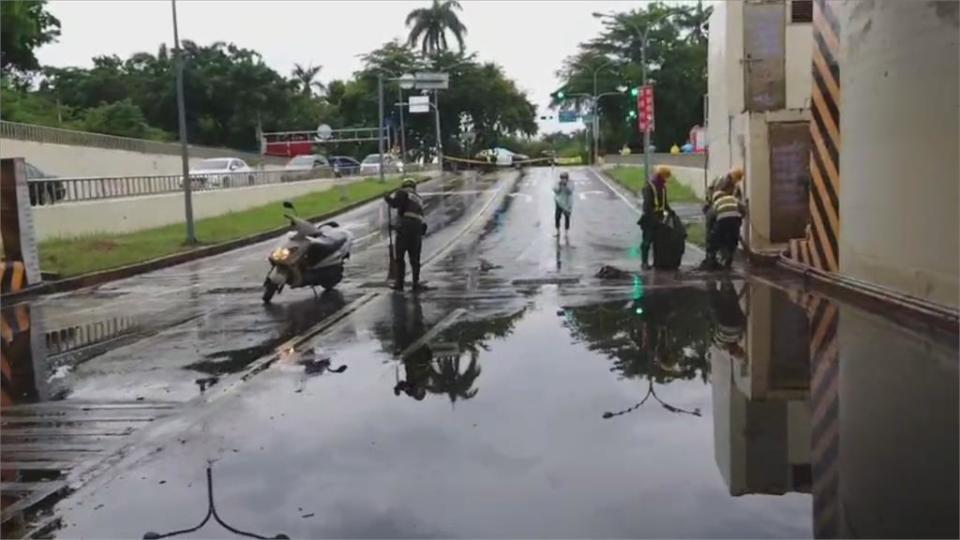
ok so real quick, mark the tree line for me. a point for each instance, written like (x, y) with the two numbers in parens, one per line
(676, 62)
(231, 93)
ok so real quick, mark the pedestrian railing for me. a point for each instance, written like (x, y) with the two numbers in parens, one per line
(50, 191)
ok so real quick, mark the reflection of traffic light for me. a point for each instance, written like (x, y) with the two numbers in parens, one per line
(632, 114)
(635, 91)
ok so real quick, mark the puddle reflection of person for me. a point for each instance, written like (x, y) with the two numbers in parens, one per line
(407, 328)
(730, 318)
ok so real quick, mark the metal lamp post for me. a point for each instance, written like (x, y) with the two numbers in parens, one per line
(182, 119)
(643, 71)
(596, 117)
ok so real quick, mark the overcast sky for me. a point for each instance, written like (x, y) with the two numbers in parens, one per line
(528, 38)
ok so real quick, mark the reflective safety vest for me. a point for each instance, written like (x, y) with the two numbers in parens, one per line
(414, 205)
(726, 206)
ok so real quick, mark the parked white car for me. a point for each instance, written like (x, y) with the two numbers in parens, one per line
(222, 172)
(371, 164)
(305, 166)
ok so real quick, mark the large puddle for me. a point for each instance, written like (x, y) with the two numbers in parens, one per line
(721, 409)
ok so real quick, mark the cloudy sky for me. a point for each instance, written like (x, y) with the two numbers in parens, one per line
(529, 38)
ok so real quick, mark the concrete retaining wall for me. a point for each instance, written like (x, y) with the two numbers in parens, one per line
(73, 161)
(692, 177)
(678, 160)
(137, 213)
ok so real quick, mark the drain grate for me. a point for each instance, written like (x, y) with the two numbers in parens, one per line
(43, 442)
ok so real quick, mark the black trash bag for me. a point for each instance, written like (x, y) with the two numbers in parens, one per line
(669, 243)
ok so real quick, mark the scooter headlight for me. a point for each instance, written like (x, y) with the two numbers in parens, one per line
(280, 254)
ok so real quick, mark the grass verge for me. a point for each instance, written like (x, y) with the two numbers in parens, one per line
(697, 234)
(79, 255)
(632, 178)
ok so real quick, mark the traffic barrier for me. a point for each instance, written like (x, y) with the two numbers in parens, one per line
(14, 277)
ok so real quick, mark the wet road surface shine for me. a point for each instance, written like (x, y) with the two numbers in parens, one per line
(659, 406)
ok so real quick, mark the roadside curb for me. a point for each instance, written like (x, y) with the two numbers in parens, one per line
(113, 274)
(873, 296)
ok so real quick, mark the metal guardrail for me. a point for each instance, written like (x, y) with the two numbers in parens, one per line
(45, 134)
(50, 191)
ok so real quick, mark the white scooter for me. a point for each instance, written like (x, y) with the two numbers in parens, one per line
(308, 256)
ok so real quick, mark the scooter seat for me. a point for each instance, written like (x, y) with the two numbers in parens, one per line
(326, 243)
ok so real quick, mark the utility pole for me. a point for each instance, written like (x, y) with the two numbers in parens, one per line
(403, 134)
(436, 109)
(182, 117)
(380, 125)
(643, 70)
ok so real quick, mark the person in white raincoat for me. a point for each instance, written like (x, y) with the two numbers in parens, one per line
(563, 197)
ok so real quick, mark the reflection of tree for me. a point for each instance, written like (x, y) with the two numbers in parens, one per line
(448, 379)
(662, 335)
(446, 373)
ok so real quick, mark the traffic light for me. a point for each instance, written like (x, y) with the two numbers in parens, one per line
(635, 91)
(560, 94)
(632, 114)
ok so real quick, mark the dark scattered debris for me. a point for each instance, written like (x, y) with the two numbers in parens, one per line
(612, 272)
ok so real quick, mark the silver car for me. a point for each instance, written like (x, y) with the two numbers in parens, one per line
(371, 164)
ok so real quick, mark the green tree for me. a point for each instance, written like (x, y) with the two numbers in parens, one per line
(676, 65)
(429, 26)
(304, 78)
(24, 26)
(121, 118)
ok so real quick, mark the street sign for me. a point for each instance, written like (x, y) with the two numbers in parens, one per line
(645, 119)
(431, 81)
(568, 116)
(419, 104)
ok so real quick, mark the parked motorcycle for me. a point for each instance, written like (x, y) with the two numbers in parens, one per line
(308, 256)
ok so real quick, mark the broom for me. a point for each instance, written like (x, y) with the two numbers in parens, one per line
(391, 254)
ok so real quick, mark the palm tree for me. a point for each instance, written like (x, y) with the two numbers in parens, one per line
(303, 78)
(430, 26)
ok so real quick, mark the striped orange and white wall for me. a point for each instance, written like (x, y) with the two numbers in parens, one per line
(819, 249)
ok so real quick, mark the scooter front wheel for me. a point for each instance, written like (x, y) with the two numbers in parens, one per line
(269, 289)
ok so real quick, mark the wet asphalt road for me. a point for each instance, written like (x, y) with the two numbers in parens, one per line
(520, 397)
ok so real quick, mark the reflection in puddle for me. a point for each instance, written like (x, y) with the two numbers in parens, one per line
(447, 363)
(295, 318)
(211, 512)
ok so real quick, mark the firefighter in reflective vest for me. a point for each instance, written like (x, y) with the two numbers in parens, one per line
(730, 181)
(410, 230)
(723, 226)
(655, 209)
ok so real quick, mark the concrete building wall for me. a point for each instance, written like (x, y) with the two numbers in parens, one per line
(899, 201)
(799, 38)
(737, 137)
(137, 213)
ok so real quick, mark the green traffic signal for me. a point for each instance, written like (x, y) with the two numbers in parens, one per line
(632, 113)
(635, 91)
(560, 94)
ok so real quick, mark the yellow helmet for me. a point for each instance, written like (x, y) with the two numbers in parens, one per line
(736, 174)
(408, 183)
(662, 171)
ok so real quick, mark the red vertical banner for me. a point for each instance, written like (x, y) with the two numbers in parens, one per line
(645, 115)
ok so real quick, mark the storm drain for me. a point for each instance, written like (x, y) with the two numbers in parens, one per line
(44, 442)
